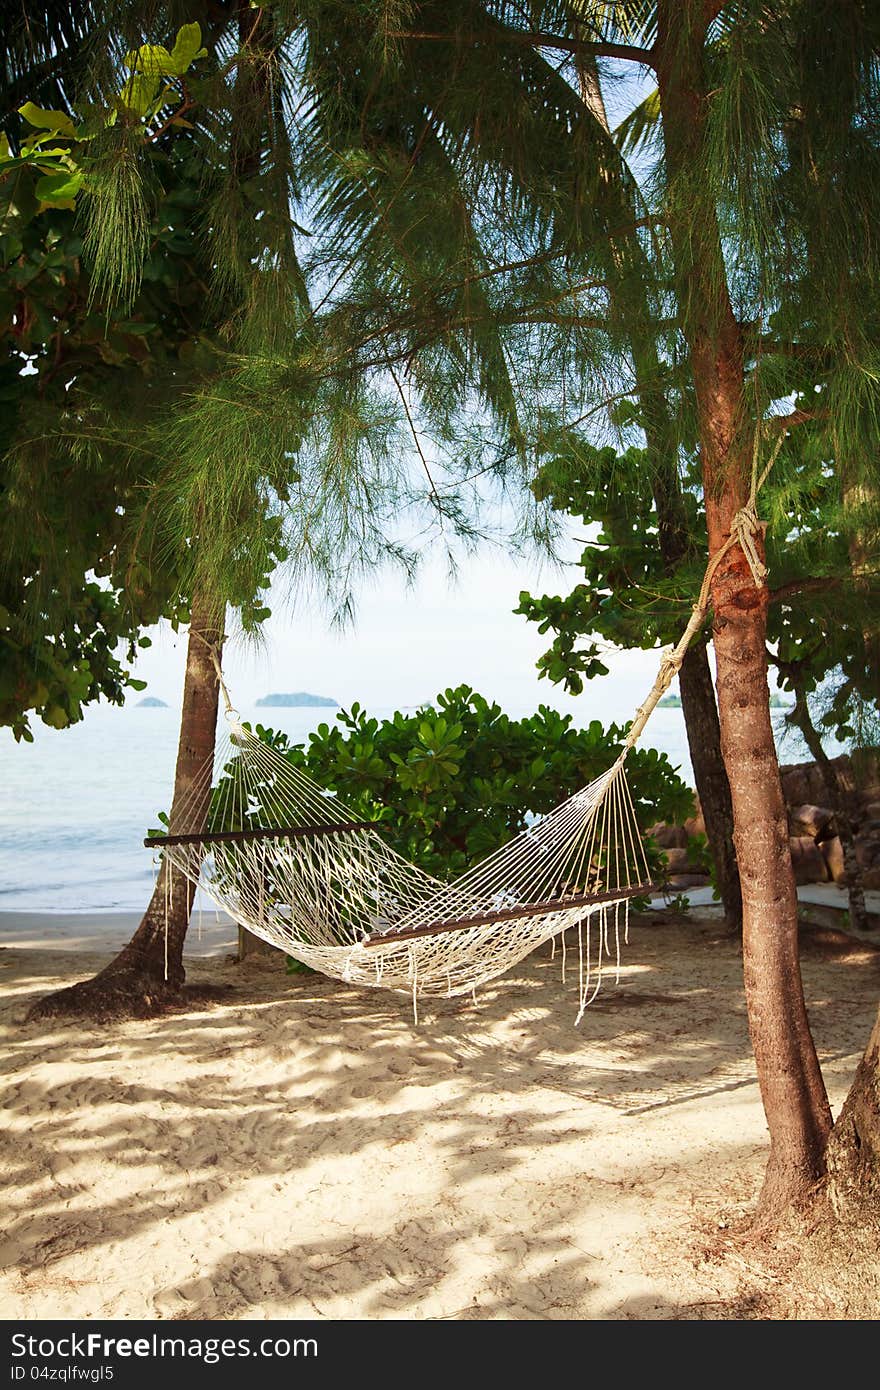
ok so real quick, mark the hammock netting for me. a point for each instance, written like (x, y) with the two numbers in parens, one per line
(289, 861)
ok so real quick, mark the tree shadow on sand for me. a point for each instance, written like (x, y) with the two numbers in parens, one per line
(312, 1085)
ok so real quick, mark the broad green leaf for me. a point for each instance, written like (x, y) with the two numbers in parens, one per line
(55, 121)
(187, 47)
(154, 60)
(139, 94)
(151, 60)
(59, 190)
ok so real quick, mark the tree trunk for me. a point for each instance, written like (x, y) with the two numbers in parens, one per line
(853, 1154)
(695, 681)
(704, 741)
(792, 1090)
(148, 973)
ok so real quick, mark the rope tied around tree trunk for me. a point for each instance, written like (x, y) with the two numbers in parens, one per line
(745, 528)
(214, 649)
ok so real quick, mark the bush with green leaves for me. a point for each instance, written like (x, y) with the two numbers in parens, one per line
(451, 783)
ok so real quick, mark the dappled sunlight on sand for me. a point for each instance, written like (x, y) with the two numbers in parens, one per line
(303, 1149)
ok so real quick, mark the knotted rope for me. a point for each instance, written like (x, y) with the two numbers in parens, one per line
(745, 528)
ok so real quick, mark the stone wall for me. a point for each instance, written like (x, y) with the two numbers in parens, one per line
(816, 850)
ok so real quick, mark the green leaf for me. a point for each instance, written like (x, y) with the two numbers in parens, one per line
(55, 121)
(139, 93)
(59, 190)
(151, 60)
(187, 47)
(154, 60)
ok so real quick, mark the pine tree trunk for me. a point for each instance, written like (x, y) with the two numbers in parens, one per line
(853, 1153)
(148, 973)
(713, 788)
(792, 1090)
(694, 678)
(695, 681)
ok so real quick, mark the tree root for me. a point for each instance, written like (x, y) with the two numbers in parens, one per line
(124, 994)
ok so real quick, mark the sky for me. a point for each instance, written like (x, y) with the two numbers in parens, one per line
(410, 641)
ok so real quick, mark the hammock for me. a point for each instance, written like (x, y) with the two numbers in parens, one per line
(294, 865)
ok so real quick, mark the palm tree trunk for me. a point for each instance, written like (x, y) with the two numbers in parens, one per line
(792, 1090)
(148, 974)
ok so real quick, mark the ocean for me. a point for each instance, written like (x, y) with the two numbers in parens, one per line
(76, 803)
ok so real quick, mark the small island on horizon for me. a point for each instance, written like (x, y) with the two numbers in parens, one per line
(298, 699)
(150, 702)
(777, 701)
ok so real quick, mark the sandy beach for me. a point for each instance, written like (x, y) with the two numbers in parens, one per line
(301, 1149)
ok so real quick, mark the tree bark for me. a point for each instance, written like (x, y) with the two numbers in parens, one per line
(148, 974)
(695, 681)
(713, 788)
(792, 1090)
(853, 1153)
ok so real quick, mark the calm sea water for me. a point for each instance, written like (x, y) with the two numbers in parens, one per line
(76, 804)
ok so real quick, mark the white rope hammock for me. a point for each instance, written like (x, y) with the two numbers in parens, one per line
(295, 866)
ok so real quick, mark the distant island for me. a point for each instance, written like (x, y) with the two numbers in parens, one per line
(150, 702)
(777, 701)
(299, 699)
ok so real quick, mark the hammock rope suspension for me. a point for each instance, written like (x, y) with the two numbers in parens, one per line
(293, 864)
(289, 861)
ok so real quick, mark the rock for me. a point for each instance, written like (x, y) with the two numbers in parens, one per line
(795, 784)
(669, 836)
(803, 782)
(867, 851)
(677, 860)
(679, 881)
(808, 860)
(809, 820)
(832, 851)
(695, 825)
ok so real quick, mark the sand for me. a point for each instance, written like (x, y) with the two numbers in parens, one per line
(302, 1150)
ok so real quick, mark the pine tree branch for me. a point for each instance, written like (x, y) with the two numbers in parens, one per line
(796, 417)
(645, 57)
(818, 584)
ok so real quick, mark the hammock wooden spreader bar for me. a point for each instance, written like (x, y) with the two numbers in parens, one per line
(510, 914)
(281, 832)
